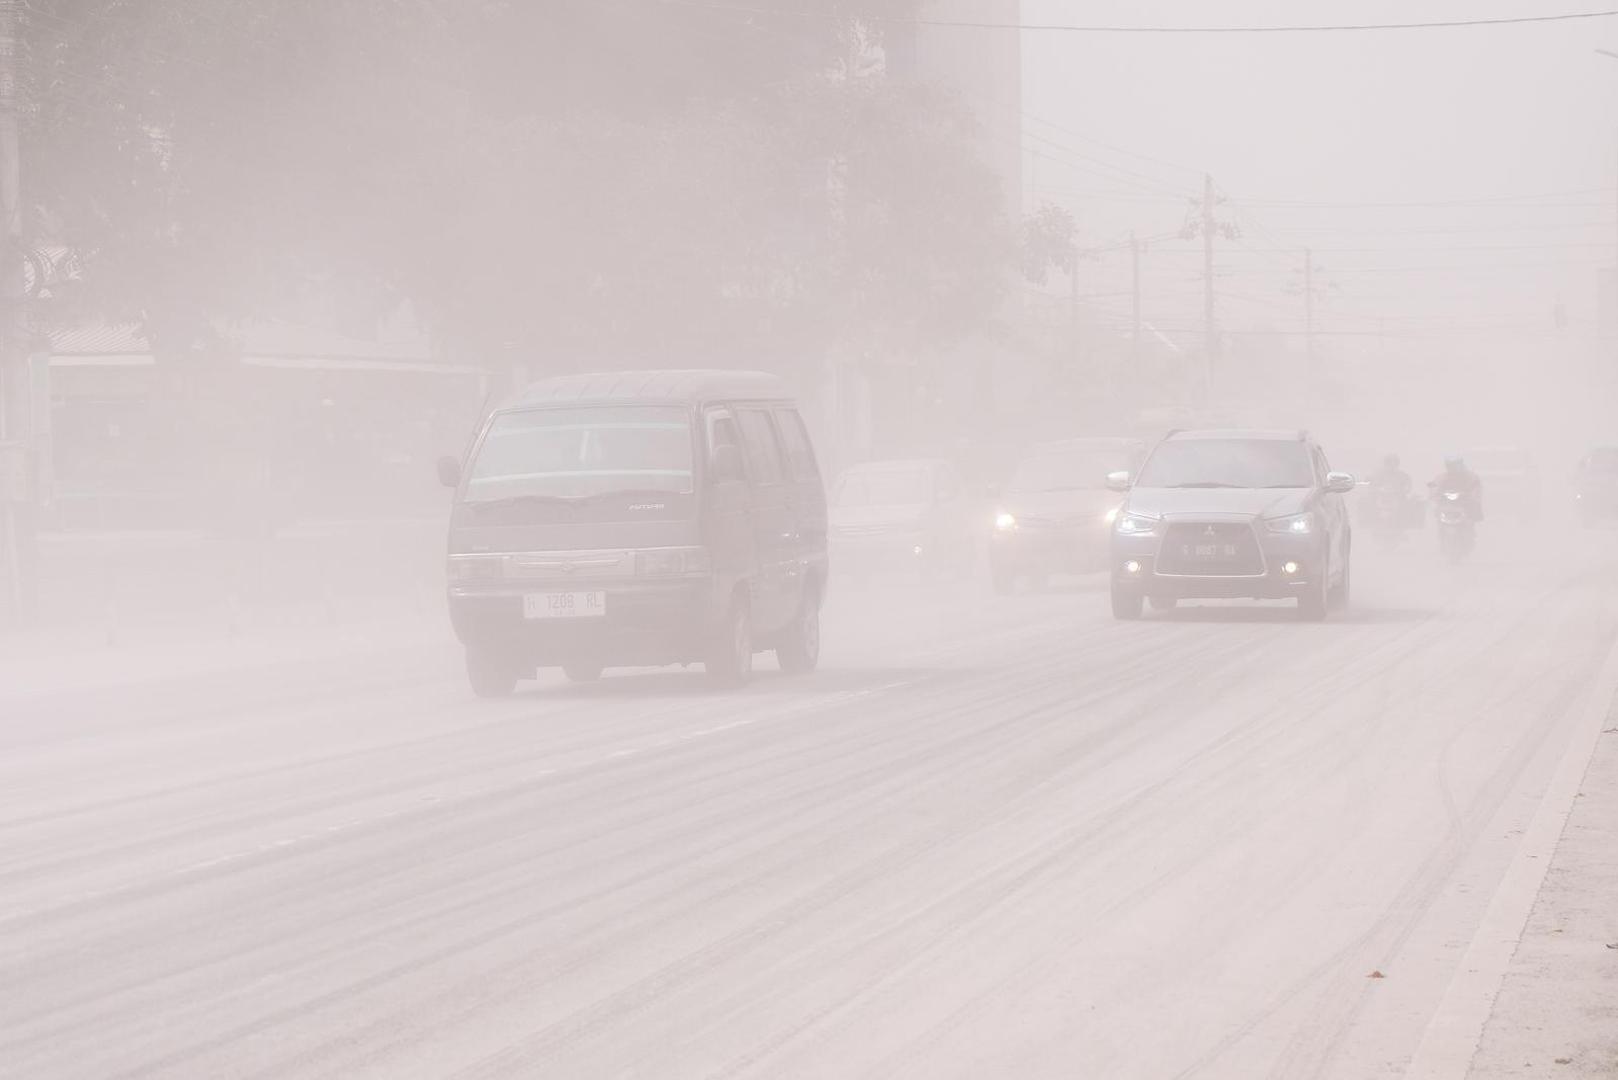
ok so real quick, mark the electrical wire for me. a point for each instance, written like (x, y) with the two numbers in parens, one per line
(968, 24)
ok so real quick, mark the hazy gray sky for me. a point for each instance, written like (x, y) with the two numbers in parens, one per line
(1445, 116)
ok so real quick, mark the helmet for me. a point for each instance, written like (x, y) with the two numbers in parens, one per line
(1391, 461)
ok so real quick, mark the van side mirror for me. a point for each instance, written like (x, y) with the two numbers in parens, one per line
(449, 472)
(725, 464)
(1119, 481)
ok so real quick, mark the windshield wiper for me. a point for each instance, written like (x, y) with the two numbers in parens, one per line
(514, 500)
(569, 500)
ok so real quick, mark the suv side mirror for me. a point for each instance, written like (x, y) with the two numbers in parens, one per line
(1119, 481)
(449, 472)
(1340, 483)
(725, 464)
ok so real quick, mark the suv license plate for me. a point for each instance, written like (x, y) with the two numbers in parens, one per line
(564, 605)
(1215, 551)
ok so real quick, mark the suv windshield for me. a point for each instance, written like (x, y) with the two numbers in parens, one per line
(581, 452)
(1067, 470)
(1228, 463)
(884, 487)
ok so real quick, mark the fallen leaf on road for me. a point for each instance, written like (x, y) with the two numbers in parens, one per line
(1376, 975)
(1612, 944)
(1564, 1061)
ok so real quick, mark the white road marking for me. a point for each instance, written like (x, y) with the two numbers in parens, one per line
(1451, 1038)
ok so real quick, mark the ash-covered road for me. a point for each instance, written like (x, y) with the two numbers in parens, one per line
(994, 836)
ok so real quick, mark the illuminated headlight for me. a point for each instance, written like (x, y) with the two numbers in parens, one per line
(476, 567)
(1452, 496)
(1290, 569)
(1296, 525)
(1004, 522)
(1111, 516)
(668, 562)
(1134, 524)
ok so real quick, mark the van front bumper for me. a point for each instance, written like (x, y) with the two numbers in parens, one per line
(645, 623)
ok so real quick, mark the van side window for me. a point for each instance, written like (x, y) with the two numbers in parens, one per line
(722, 430)
(800, 451)
(761, 445)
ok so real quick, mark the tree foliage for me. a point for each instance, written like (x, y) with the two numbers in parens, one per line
(573, 178)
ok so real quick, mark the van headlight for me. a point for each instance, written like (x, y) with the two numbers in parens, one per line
(476, 567)
(1126, 524)
(671, 562)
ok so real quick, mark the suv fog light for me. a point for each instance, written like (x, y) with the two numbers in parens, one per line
(1289, 568)
(1131, 567)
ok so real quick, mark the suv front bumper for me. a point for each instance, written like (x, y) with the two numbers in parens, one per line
(1291, 566)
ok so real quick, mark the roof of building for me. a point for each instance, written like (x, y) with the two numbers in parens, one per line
(672, 386)
(100, 339)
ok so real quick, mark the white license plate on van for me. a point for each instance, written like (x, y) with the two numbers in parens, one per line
(564, 605)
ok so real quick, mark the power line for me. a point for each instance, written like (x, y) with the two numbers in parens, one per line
(967, 24)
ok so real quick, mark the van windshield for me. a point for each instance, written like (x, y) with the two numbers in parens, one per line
(572, 453)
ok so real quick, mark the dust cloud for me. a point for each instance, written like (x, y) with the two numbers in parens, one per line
(792, 537)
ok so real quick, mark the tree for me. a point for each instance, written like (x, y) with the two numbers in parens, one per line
(575, 180)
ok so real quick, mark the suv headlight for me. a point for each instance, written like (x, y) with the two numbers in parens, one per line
(1292, 525)
(1127, 524)
(669, 562)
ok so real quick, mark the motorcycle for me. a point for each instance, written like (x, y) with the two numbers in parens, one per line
(1391, 514)
(1457, 532)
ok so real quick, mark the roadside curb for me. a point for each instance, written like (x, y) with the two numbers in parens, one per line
(1455, 1031)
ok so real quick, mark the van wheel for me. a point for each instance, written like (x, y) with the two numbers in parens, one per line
(490, 674)
(730, 655)
(798, 652)
(582, 672)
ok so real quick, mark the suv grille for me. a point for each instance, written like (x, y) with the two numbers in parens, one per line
(1213, 549)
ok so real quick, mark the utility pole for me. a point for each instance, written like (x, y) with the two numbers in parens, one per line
(16, 405)
(1309, 322)
(1210, 329)
(1134, 293)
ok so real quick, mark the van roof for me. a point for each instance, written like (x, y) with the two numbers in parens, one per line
(685, 387)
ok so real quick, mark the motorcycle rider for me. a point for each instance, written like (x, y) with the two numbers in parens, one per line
(1392, 478)
(1457, 477)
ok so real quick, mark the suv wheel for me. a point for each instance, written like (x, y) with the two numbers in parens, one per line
(798, 651)
(1127, 603)
(1313, 604)
(1341, 595)
(730, 654)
